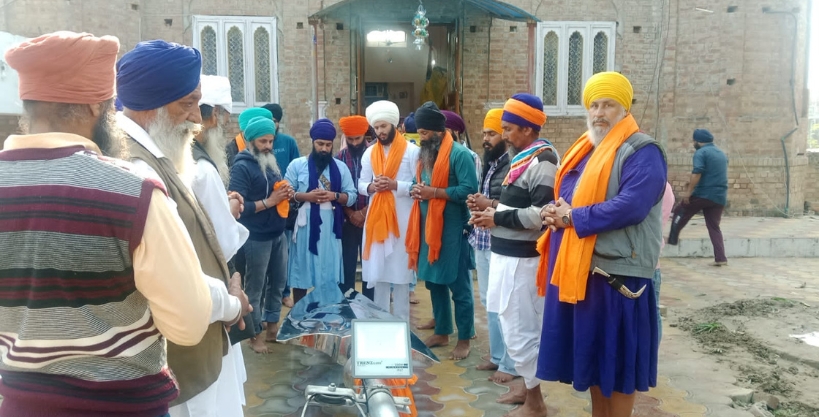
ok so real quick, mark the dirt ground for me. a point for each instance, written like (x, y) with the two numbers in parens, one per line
(751, 339)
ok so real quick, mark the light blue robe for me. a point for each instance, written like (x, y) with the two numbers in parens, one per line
(323, 271)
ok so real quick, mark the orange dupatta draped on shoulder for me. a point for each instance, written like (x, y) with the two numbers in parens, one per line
(571, 271)
(434, 227)
(382, 219)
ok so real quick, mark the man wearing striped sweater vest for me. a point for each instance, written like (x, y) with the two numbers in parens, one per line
(516, 226)
(158, 84)
(96, 268)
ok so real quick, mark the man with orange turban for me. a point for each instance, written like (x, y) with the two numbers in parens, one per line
(388, 168)
(495, 167)
(515, 225)
(599, 254)
(354, 128)
(123, 276)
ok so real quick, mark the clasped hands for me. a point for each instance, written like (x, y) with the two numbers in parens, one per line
(235, 289)
(552, 214)
(236, 202)
(382, 183)
(422, 191)
(483, 214)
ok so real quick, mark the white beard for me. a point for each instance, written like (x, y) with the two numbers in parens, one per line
(266, 160)
(174, 141)
(215, 147)
(598, 133)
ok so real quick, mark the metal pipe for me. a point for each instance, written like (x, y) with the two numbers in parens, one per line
(793, 58)
(787, 172)
(314, 72)
(380, 403)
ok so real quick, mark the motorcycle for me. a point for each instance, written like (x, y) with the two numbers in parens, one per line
(376, 349)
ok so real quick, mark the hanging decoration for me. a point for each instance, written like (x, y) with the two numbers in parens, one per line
(420, 22)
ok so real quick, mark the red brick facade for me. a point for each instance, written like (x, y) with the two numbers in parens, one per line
(729, 69)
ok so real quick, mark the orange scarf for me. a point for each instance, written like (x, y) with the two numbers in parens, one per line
(575, 254)
(240, 142)
(382, 218)
(434, 227)
(283, 208)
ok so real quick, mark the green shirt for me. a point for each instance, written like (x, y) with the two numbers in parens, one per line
(454, 245)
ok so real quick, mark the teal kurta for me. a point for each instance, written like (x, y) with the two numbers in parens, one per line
(462, 182)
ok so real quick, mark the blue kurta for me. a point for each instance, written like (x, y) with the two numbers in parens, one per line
(606, 340)
(323, 271)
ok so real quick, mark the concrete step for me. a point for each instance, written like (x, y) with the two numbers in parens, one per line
(747, 237)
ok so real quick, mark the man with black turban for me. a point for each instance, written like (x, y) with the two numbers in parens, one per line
(437, 232)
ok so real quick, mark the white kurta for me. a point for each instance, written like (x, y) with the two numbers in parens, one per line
(388, 260)
(209, 190)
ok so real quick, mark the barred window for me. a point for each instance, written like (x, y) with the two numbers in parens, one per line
(568, 53)
(243, 49)
(209, 59)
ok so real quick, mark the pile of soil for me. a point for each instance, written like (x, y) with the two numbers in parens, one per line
(752, 337)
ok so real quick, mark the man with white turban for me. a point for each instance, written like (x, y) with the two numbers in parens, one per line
(387, 172)
(209, 177)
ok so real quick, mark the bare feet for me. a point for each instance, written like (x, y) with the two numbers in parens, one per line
(437, 340)
(413, 300)
(532, 407)
(271, 332)
(258, 345)
(501, 377)
(427, 326)
(461, 350)
(516, 394)
(487, 366)
(287, 302)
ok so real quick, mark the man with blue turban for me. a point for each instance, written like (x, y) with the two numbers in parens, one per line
(324, 186)
(158, 84)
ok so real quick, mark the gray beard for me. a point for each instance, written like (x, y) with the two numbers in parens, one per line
(266, 160)
(429, 152)
(597, 134)
(174, 141)
(215, 147)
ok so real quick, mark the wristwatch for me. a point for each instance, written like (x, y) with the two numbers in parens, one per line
(567, 218)
(336, 196)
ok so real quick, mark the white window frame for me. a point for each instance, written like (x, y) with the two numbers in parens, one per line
(248, 26)
(564, 30)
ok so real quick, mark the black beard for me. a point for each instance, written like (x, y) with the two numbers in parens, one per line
(389, 139)
(697, 145)
(357, 150)
(492, 153)
(107, 136)
(429, 150)
(322, 159)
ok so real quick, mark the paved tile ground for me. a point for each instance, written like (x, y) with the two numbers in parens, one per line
(691, 383)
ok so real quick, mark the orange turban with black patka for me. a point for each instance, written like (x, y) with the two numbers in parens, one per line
(353, 126)
(66, 67)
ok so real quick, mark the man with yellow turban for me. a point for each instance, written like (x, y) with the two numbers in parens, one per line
(354, 128)
(516, 226)
(495, 168)
(599, 254)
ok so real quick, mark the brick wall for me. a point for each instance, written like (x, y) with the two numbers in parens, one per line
(680, 64)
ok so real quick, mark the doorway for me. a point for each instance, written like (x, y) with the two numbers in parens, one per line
(395, 69)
